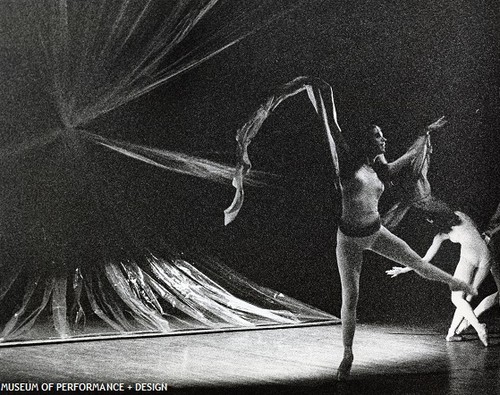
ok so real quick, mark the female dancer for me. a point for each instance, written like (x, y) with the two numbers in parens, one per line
(359, 177)
(476, 261)
(360, 229)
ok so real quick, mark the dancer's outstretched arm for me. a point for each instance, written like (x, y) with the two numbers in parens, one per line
(394, 167)
(431, 252)
(436, 244)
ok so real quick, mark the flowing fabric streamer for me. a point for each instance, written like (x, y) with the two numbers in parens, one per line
(321, 97)
(415, 189)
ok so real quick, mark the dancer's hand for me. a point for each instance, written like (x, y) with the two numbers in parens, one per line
(437, 124)
(397, 270)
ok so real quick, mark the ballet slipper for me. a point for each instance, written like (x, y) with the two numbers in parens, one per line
(344, 369)
(454, 338)
(482, 333)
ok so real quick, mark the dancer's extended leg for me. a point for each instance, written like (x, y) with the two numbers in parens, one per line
(396, 249)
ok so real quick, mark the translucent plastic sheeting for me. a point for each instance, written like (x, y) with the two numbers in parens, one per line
(103, 54)
(179, 162)
(154, 294)
(98, 56)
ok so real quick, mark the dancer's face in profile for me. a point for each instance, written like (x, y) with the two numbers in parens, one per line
(376, 141)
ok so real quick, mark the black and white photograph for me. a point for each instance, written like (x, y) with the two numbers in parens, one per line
(250, 197)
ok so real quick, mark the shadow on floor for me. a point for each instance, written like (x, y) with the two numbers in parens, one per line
(436, 383)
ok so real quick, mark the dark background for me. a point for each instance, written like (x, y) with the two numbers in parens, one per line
(399, 64)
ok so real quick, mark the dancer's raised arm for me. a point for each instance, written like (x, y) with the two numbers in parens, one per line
(436, 244)
(394, 167)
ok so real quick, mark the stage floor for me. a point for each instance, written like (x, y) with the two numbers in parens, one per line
(388, 360)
